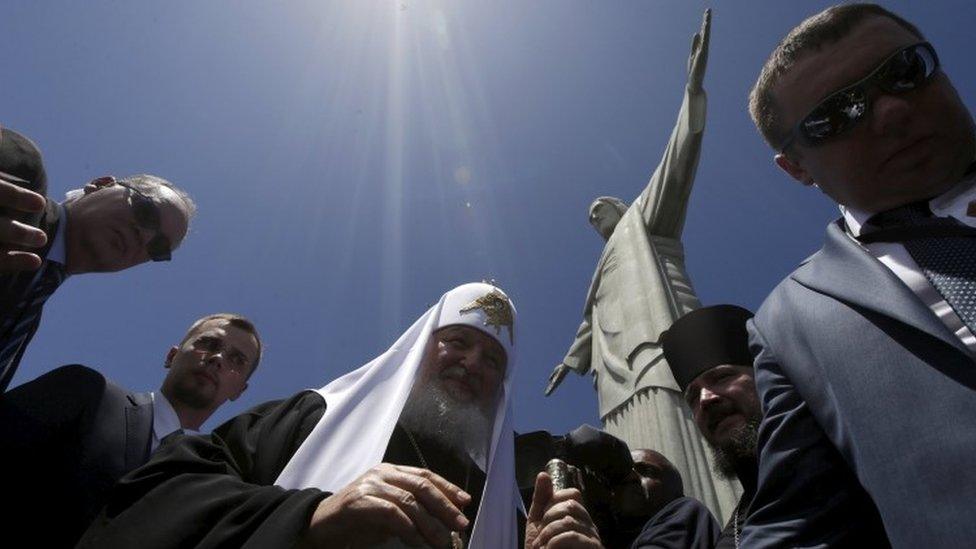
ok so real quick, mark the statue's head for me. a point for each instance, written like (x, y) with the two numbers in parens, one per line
(605, 213)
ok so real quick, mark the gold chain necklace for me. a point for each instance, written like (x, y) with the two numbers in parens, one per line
(456, 541)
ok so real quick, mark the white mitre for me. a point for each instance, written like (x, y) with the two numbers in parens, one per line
(363, 407)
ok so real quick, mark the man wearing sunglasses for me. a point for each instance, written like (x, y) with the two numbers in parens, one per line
(864, 354)
(107, 226)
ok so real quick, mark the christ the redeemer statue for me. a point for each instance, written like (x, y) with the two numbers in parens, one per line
(639, 288)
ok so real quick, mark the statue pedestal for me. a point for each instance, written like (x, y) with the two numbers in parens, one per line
(658, 419)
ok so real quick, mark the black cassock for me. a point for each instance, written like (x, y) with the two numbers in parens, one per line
(218, 491)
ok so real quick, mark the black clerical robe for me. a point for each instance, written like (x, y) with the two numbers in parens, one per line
(218, 491)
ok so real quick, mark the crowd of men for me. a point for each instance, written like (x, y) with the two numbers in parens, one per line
(843, 406)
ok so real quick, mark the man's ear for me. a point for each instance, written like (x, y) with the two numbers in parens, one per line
(238, 393)
(793, 169)
(99, 183)
(170, 354)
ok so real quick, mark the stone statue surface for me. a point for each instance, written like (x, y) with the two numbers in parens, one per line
(639, 288)
(640, 285)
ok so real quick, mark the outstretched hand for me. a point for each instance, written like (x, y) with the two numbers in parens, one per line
(699, 54)
(556, 377)
(18, 240)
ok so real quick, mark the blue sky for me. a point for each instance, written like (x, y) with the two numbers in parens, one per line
(353, 160)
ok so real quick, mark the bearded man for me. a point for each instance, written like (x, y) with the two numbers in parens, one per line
(708, 351)
(415, 447)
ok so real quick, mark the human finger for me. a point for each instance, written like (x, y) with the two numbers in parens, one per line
(16, 260)
(564, 525)
(430, 528)
(18, 198)
(566, 494)
(14, 234)
(540, 496)
(571, 508)
(389, 519)
(573, 540)
(455, 493)
(438, 496)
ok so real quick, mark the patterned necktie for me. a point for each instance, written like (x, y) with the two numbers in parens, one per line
(20, 329)
(944, 249)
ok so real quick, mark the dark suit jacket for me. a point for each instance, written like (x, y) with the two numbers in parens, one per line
(869, 401)
(21, 163)
(68, 436)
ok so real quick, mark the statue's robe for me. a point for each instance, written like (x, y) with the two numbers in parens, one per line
(639, 289)
(217, 491)
(640, 285)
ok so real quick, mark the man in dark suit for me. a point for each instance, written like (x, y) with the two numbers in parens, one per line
(864, 361)
(107, 226)
(70, 434)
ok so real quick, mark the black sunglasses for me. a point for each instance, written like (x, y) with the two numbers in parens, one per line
(146, 214)
(905, 70)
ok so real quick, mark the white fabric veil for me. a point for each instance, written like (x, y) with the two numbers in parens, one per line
(363, 406)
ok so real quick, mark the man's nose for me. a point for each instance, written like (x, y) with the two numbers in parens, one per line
(891, 114)
(475, 359)
(707, 397)
(632, 476)
(216, 359)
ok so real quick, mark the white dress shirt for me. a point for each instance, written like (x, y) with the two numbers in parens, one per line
(955, 203)
(165, 420)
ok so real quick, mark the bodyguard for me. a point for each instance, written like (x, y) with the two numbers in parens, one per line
(864, 362)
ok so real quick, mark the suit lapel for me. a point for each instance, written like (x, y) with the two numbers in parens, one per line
(845, 271)
(138, 430)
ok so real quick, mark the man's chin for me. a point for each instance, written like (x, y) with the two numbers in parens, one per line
(738, 446)
(197, 395)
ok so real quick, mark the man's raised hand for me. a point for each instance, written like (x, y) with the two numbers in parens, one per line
(699, 54)
(558, 520)
(18, 239)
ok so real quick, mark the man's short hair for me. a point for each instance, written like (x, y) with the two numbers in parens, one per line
(234, 320)
(150, 185)
(826, 27)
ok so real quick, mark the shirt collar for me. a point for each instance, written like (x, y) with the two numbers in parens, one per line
(58, 252)
(165, 420)
(952, 202)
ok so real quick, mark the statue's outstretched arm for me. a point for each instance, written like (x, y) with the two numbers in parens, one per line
(664, 201)
(577, 359)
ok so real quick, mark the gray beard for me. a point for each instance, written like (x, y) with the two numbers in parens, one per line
(459, 427)
(738, 452)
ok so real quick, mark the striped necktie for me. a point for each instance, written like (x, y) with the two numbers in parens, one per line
(20, 329)
(943, 248)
